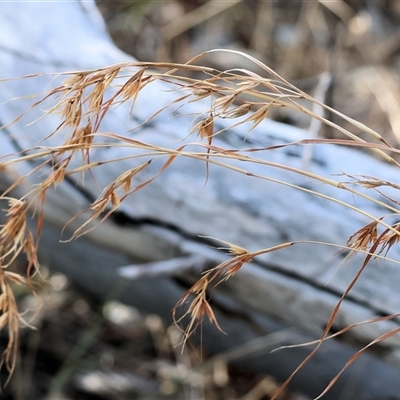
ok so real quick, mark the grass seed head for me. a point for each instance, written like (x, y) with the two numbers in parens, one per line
(364, 237)
(85, 96)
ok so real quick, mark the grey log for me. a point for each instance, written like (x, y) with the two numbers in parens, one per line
(284, 291)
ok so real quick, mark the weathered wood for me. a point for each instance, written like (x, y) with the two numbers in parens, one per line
(168, 219)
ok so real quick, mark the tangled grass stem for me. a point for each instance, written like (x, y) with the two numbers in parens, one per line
(82, 101)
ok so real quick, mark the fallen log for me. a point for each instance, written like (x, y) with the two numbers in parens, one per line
(158, 241)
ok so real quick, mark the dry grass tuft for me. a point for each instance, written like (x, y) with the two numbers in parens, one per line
(199, 307)
(15, 240)
(83, 100)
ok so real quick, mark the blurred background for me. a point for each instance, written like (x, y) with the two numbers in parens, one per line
(357, 42)
(347, 53)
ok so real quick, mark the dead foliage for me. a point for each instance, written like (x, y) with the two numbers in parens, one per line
(82, 101)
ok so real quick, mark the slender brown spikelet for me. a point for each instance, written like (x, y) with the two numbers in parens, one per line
(55, 178)
(12, 233)
(389, 238)
(200, 93)
(83, 137)
(96, 97)
(231, 268)
(364, 237)
(222, 104)
(71, 112)
(132, 86)
(99, 206)
(30, 249)
(114, 200)
(205, 128)
(259, 115)
(199, 307)
(9, 317)
(125, 179)
(237, 112)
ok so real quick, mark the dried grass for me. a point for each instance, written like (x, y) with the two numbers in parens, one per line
(82, 102)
